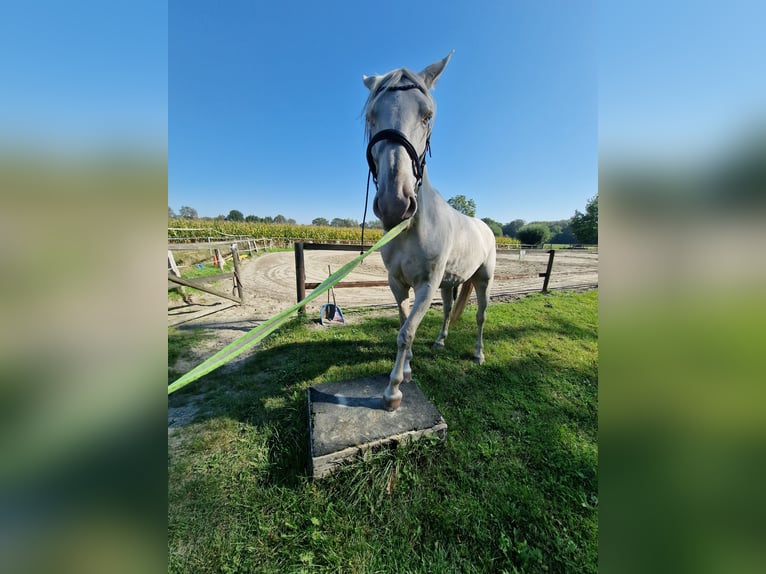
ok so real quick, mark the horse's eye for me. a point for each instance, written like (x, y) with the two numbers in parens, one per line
(427, 118)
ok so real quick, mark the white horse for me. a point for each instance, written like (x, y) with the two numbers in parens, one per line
(441, 248)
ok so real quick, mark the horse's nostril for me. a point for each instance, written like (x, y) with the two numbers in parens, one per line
(412, 206)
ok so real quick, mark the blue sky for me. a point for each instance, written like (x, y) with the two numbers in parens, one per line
(679, 81)
(265, 100)
(84, 75)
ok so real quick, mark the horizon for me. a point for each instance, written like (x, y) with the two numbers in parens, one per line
(359, 220)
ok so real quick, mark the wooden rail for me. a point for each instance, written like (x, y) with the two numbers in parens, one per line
(174, 278)
(300, 270)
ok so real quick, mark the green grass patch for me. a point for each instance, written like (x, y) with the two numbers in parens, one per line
(513, 488)
(206, 270)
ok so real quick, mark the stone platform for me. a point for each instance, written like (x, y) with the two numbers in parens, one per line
(347, 418)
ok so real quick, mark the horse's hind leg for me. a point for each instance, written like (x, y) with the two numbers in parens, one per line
(392, 396)
(482, 297)
(447, 294)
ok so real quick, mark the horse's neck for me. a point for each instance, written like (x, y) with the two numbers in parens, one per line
(432, 204)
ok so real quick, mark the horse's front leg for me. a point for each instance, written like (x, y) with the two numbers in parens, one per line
(401, 293)
(447, 298)
(392, 396)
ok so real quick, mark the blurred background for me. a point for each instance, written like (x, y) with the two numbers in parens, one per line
(682, 193)
(83, 174)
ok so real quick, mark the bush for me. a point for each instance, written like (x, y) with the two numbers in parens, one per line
(533, 234)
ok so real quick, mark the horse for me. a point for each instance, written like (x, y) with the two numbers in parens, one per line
(441, 248)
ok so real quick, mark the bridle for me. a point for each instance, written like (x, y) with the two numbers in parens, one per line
(396, 136)
(418, 161)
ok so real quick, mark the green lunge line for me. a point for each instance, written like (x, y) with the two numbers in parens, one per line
(246, 341)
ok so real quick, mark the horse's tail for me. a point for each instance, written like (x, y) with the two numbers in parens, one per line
(459, 305)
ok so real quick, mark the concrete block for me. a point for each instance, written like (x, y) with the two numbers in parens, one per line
(346, 418)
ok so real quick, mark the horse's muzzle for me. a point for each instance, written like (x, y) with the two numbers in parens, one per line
(392, 213)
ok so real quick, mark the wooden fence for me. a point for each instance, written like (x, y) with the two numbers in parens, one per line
(300, 269)
(175, 281)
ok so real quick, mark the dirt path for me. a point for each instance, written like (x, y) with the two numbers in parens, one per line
(269, 283)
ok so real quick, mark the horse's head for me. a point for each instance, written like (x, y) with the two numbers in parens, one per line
(399, 114)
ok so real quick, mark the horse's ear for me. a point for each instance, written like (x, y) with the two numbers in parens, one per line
(370, 81)
(432, 72)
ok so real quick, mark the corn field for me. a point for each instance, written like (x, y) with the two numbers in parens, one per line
(202, 229)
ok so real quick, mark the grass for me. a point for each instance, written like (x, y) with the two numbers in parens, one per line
(513, 488)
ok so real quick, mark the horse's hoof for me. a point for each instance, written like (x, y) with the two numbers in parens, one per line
(392, 404)
(439, 345)
(479, 360)
(407, 377)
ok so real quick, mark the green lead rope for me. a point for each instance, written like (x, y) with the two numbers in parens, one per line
(255, 336)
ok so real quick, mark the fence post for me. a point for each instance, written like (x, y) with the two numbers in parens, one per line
(219, 259)
(173, 268)
(237, 280)
(551, 253)
(300, 274)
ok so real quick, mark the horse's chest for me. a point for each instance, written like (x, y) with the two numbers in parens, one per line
(412, 269)
(417, 269)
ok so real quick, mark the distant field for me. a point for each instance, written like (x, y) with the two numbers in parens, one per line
(203, 228)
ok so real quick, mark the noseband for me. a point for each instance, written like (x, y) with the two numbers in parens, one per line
(418, 162)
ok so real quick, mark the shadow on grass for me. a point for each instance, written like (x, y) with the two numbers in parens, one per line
(269, 390)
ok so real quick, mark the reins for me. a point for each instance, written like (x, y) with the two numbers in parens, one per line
(364, 217)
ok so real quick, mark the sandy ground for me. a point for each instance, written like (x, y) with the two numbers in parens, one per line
(269, 284)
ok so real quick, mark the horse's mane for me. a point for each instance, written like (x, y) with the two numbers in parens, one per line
(391, 80)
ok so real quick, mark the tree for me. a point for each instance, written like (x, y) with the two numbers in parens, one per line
(319, 221)
(463, 205)
(338, 222)
(374, 224)
(280, 219)
(494, 226)
(235, 215)
(533, 234)
(566, 235)
(512, 228)
(187, 212)
(585, 225)
(171, 213)
(253, 219)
